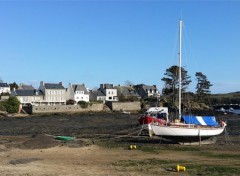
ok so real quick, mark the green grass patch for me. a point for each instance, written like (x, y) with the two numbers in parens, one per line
(151, 166)
(220, 155)
(213, 170)
(155, 166)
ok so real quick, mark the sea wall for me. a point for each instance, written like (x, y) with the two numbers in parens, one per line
(124, 106)
(68, 108)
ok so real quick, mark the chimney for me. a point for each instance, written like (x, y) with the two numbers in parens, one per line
(60, 83)
(41, 83)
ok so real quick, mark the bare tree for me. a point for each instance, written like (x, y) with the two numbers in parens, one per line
(128, 83)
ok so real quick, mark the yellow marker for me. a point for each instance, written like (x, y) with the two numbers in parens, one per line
(132, 147)
(180, 168)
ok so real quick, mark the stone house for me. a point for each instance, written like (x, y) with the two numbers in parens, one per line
(77, 92)
(147, 91)
(54, 93)
(28, 97)
(127, 92)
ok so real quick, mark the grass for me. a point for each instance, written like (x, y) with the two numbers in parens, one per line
(213, 170)
(205, 160)
(216, 163)
(151, 166)
(167, 167)
(220, 155)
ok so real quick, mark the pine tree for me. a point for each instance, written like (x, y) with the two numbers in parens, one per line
(172, 82)
(203, 85)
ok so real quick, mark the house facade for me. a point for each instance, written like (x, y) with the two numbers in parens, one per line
(147, 91)
(4, 88)
(109, 91)
(28, 97)
(126, 92)
(97, 95)
(77, 92)
(54, 93)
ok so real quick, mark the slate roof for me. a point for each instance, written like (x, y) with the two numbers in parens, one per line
(80, 87)
(28, 92)
(127, 90)
(53, 86)
(4, 85)
(26, 87)
(149, 87)
(98, 93)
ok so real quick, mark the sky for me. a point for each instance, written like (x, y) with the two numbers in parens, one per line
(113, 41)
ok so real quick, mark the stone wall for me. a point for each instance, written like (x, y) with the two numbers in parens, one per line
(67, 108)
(124, 106)
(4, 97)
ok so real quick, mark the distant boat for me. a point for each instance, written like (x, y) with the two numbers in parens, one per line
(235, 111)
(231, 110)
(185, 128)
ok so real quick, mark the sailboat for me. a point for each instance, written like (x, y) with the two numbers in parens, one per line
(187, 128)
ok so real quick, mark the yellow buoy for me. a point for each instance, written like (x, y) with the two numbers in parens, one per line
(180, 168)
(132, 147)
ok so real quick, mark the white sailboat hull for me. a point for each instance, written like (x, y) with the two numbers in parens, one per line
(186, 131)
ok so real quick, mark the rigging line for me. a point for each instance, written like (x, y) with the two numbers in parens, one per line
(191, 58)
(174, 48)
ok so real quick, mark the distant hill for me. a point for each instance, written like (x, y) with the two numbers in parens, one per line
(227, 98)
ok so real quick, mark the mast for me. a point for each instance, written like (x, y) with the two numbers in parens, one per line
(180, 72)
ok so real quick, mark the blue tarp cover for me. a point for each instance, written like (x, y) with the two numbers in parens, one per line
(200, 120)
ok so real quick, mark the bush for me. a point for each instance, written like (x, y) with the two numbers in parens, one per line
(71, 102)
(83, 104)
(2, 106)
(12, 105)
(128, 98)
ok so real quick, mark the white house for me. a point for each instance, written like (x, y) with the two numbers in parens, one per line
(4, 88)
(109, 91)
(77, 92)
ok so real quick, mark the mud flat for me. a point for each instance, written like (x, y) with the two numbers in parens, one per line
(101, 147)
